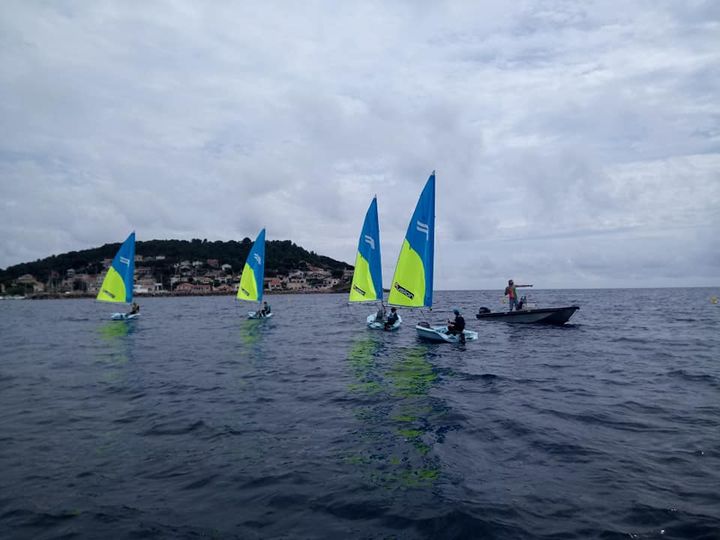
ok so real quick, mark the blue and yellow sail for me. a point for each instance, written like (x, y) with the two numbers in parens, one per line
(252, 279)
(367, 278)
(118, 283)
(412, 284)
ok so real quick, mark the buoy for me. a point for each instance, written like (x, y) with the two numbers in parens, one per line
(713, 300)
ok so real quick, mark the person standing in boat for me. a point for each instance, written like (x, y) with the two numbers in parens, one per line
(512, 294)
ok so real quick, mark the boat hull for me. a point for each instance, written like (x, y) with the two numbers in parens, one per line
(124, 316)
(554, 316)
(374, 325)
(438, 334)
(257, 315)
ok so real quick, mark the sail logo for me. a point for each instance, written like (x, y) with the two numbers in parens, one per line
(359, 290)
(125, 261)
(423, 228)
(111, 295)
(403, 290)
(245, 292)
(258, 259)
(370, 241)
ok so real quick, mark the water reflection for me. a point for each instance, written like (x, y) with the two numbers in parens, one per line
(399, 421)
(251, 331)
(250, 352)
(115, 341)
(111, 331)
(364, 360)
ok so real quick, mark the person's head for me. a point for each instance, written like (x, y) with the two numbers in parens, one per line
(265, 303)
(393, 310)
(456, 311)
(510, 282)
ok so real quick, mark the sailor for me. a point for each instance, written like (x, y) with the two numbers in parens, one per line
(392, 318)
(265, 311)
(457, 326)
(512, 294)
(134, 309)
(380, 315)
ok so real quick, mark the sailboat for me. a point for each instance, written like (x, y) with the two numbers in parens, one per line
(412, 284)
(118, 283)
(252, 279)
(367, 279)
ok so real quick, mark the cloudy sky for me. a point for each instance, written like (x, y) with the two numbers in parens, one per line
(577, 144)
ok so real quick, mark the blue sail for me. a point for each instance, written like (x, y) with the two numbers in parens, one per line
(252, 279)
(367, 278)
(118, 283)
(412, 284)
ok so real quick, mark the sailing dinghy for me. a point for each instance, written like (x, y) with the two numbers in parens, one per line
(412, 284)
(367, 279)
(117, 287)
(252, 279)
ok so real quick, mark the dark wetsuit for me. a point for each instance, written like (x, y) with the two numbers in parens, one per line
(457, 326)
(391, 320)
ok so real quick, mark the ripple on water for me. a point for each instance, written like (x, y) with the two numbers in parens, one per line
(191, 423)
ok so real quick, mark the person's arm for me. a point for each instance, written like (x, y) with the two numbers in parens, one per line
(523, 286)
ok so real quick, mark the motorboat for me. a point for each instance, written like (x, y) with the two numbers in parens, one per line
(554, 315)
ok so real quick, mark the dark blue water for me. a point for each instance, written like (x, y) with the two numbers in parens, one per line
(195, 423)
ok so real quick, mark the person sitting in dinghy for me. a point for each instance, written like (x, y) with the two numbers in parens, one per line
(457, 326)
(380, 315)
(265, 311)
(134, 309)
(392, 319)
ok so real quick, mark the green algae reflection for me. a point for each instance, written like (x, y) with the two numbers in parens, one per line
(396, 415)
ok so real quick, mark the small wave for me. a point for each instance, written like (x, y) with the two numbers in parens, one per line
(625, 339)
(274, 479)
(168, 430)
(695, 377)
(645, 521)
(483, 377)
(42, 520)
(608, 420)
(200, 483)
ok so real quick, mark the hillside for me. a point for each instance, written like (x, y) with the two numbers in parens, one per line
(161, 258)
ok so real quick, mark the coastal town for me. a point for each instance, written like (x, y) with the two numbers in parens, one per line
(156, 276)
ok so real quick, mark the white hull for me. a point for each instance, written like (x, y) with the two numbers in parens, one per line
(374, 325)
(257, 315)
(124, 316)
(438, 334)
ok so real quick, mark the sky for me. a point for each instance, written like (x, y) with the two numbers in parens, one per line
(576, 144)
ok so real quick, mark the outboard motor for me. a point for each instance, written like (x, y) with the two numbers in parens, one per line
(483, 310)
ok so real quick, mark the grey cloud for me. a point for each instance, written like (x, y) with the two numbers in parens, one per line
(568, 138)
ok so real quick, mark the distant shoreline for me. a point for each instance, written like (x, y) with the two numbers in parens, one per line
(62, 296)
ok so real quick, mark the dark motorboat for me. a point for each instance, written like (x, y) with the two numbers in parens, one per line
(556, 315)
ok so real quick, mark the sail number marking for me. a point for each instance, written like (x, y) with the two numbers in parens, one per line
(423, 228)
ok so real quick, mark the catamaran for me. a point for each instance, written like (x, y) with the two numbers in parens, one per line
(252, 279)
(117, 286)
(367, 278)
(412, 284)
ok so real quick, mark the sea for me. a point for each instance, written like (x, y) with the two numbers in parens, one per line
(193, 422)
